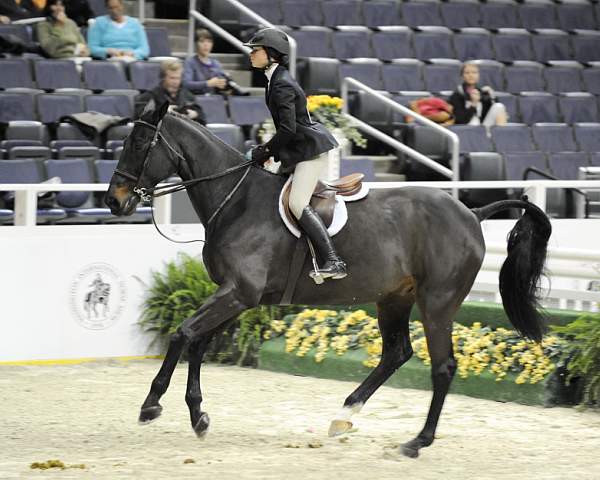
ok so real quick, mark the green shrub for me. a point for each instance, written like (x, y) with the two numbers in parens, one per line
(582, 355)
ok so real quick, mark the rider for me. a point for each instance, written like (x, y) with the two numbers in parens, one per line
(300, 144)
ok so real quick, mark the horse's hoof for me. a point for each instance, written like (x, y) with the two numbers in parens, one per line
(409, 451)
(149, 414)
(201, 427)
(338, 427)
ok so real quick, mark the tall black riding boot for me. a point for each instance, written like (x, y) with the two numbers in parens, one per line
(316, 231)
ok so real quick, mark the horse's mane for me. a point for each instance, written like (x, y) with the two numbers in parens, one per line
(211, 136)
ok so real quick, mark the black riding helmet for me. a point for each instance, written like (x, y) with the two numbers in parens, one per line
(270, 38)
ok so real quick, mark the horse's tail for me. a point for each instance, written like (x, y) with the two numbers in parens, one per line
(519, 275)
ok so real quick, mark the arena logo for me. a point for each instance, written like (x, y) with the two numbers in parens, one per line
(98, 295)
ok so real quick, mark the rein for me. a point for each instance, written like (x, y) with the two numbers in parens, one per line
(148, 194)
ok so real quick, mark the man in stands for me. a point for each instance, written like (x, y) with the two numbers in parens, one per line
(181, 100)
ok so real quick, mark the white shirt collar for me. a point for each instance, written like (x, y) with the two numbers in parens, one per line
(269, 71)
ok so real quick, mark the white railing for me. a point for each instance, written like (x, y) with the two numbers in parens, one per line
(26, 196)
(196, 16)
(452, 137)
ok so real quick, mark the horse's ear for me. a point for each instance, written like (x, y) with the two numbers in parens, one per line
(161, 110)
(153, 112)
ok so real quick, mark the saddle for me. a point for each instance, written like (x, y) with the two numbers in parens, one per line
(323, 199)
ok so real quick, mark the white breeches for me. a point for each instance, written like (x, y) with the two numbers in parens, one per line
(491, 116)
(306, 176)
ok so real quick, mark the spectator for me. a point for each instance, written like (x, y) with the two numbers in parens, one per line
(117, 36)
(202, 74)
(180, 99)
(79, 11)
(59, 36)
(475, 105)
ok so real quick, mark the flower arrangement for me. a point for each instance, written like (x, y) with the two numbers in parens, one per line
(326, 110)
(476, 348)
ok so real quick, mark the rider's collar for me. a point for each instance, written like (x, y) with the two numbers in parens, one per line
(269, 71)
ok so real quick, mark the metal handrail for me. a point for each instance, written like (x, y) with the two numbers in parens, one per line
(194, 15)
(454, 174)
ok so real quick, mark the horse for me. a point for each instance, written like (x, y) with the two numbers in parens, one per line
(98, 296)
(403, 246)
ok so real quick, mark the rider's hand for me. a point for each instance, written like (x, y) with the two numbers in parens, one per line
(259, 154)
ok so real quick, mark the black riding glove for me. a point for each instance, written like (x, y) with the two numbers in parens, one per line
(260, 154)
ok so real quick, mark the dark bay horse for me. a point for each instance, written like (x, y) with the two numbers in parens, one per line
(403, 246)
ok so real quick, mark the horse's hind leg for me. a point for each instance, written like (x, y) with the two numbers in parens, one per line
(393, 315)
(437, 316)
(193, 394)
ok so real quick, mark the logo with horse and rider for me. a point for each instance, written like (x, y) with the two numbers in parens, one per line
(98, 295)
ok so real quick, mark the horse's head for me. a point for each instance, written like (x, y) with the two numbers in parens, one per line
(144, 162)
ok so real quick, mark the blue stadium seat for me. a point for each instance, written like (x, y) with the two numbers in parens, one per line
(365, 70)
(158, 41)
(512, 44)
(551, 44)
(53, 74)
(510, 102)
(16, 106)
(404, 98)
(538, 14)
(587, 136)
(595, 159)
(585, 45)
(98, 7)
(565, 165)
(248, 110)
(214, 108)
(578, 107)
(321, 75)
(473, 138)
(87, 152)
(392, 42)
(297, 13)
(403, 74)
(378, 13)
(358, 165)
(461, 14)
(39, 153)
(352, 42)
(371, 110)
(433, 42)
(117, 105)
(28, 171)
(517, 163)
(342, 12)
(499, 14)
(573, 14)
(15, 72)
(105, 169)
(7, 145)
(473, 44)
(102, 75)
(18, 30)
(267, 9)
(52, 106)
(591, 79)
(419, 13)
(144, 75)
(68, 131)
(230, 134)
(554, 137)
(536, 107)
(564, 76)
(441, 74)
(512, 138)
(27, 130)
(313, 41)
(524, 76)
(57, 145)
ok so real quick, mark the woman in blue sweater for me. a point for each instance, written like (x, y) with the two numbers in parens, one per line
(117, 36)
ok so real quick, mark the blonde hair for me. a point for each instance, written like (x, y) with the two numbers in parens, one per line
(169, 66)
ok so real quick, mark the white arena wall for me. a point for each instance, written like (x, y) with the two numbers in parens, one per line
(47, 271)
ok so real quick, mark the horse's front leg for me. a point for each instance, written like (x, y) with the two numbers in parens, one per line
(223, 305)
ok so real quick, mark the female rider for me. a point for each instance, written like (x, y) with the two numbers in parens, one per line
(300, 144)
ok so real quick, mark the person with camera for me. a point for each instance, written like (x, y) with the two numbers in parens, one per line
(180, 99)
(202, 74)
(475, 105)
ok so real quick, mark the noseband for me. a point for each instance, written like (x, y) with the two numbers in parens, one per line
(148, 193)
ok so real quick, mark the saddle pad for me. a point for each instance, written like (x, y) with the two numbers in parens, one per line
(340, 214)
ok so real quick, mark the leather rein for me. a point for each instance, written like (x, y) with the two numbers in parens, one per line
(147, 194)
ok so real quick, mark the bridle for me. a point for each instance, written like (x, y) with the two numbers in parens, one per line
(148, 193)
